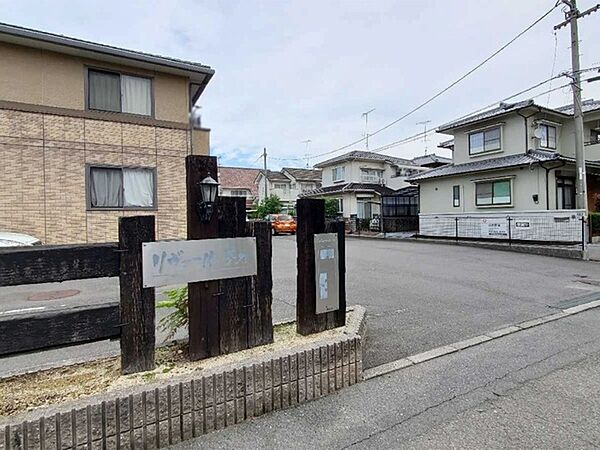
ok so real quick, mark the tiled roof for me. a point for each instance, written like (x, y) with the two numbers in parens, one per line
(275, 176)
(429, 159)
(348, 187)
(239, 177)
(504, 108)
(586, 106)
(303, 174)
(366, 156)
(532, 156)
(446, 144)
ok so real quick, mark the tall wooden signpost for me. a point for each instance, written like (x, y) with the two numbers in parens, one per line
(234, 313)
(321, 289)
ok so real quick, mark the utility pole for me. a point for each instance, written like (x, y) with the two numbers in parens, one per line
(571, 17)
(265, 174)
(366, 116)
(424, 123)
(307, 155)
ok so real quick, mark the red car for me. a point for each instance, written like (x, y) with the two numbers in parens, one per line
(282, 223)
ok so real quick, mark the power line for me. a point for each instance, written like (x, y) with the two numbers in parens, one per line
(447, 88)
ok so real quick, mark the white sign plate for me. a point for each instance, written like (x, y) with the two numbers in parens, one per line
(174, 262)
(494, 228)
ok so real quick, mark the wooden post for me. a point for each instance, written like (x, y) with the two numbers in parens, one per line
(261, 321)
(311, 220)
(203, 297)
(137, 304)
(236, 300)
(338, 318)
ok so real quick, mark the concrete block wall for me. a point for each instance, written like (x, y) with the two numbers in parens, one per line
(162, 415)
(42, 184)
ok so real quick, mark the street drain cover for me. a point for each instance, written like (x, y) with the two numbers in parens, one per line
(53, 295)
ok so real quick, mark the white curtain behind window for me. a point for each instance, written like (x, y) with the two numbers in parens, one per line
(136, 95)
(138, 187)
(105, 187)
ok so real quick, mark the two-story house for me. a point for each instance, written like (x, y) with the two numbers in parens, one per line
(517, 159)
(288, 184)
(90, 133)
(359, 179)
(239, 182)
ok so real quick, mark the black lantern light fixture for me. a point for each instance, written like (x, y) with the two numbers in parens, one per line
(208, 193)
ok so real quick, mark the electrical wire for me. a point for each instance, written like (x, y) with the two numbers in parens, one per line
(447, 88)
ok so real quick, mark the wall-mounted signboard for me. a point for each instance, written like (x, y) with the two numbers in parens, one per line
(327, 272)
(173, 262)
(494, 228)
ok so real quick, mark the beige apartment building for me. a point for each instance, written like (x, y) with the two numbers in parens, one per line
(90, 133)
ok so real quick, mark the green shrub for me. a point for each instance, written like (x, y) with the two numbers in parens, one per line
(270, 205)
(331, 207)
(595, 222)
(178, 299)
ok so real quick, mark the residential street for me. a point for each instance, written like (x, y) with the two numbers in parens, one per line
(418, 295)
(537, 388)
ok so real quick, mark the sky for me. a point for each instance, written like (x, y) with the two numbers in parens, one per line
(297, 70)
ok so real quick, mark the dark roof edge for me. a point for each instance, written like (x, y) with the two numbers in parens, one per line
(57, 39)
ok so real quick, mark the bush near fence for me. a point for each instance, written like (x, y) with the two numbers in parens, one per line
(595, 223)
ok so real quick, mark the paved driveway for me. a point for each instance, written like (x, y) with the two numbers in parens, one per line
(418, 295)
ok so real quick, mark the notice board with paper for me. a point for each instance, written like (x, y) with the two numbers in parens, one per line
(327, 273)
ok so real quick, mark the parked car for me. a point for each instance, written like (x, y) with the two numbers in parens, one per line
(282, 223)
(8, 239)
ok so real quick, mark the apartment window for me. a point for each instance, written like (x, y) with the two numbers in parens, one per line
(594, 136)
(484, 141)
(121, 188)
(110, 91)
(455, 196)
(239, 193)
(492, 193)
(338, 173)
(548, 139)
(371, 175)
(565, 193)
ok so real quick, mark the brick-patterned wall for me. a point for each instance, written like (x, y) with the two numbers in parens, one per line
(42, 183)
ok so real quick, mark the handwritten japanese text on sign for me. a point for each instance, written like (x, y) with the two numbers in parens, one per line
(173, 262)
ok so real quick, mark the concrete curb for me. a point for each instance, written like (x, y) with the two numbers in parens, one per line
(155, 415)
(438, 352)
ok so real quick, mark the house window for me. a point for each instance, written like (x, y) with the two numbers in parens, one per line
(340, 205)
(484, 141)
(338, 173)
(565, 193)
(239, 193)
(594, 136)
(306, 187)
(456, 196)
(492, 193)
(281, 186)
(371, 175)
(121, 188)
(548, 138)
(110, 91)
(364, 208)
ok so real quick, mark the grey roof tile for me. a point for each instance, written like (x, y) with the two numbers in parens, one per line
(367, 156)
(348, 187)
(533, 156)
(303, 174)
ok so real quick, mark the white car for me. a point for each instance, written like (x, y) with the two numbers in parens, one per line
(8, 239)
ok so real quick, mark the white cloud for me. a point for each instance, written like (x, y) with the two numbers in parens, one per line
(288, 71)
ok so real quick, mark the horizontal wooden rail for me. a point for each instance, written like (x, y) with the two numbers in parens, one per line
(52, 328)
(47, 264)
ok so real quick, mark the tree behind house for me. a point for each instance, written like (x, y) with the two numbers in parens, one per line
(270, 205)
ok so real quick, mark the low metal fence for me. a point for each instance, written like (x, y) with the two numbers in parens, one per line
(558, 228)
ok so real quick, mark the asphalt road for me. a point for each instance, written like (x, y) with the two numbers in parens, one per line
(418, 295)
(537, 388)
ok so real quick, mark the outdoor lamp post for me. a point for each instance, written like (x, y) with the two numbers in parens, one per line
(208, 193)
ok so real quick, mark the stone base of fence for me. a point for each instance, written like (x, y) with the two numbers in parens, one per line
(159, 415)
